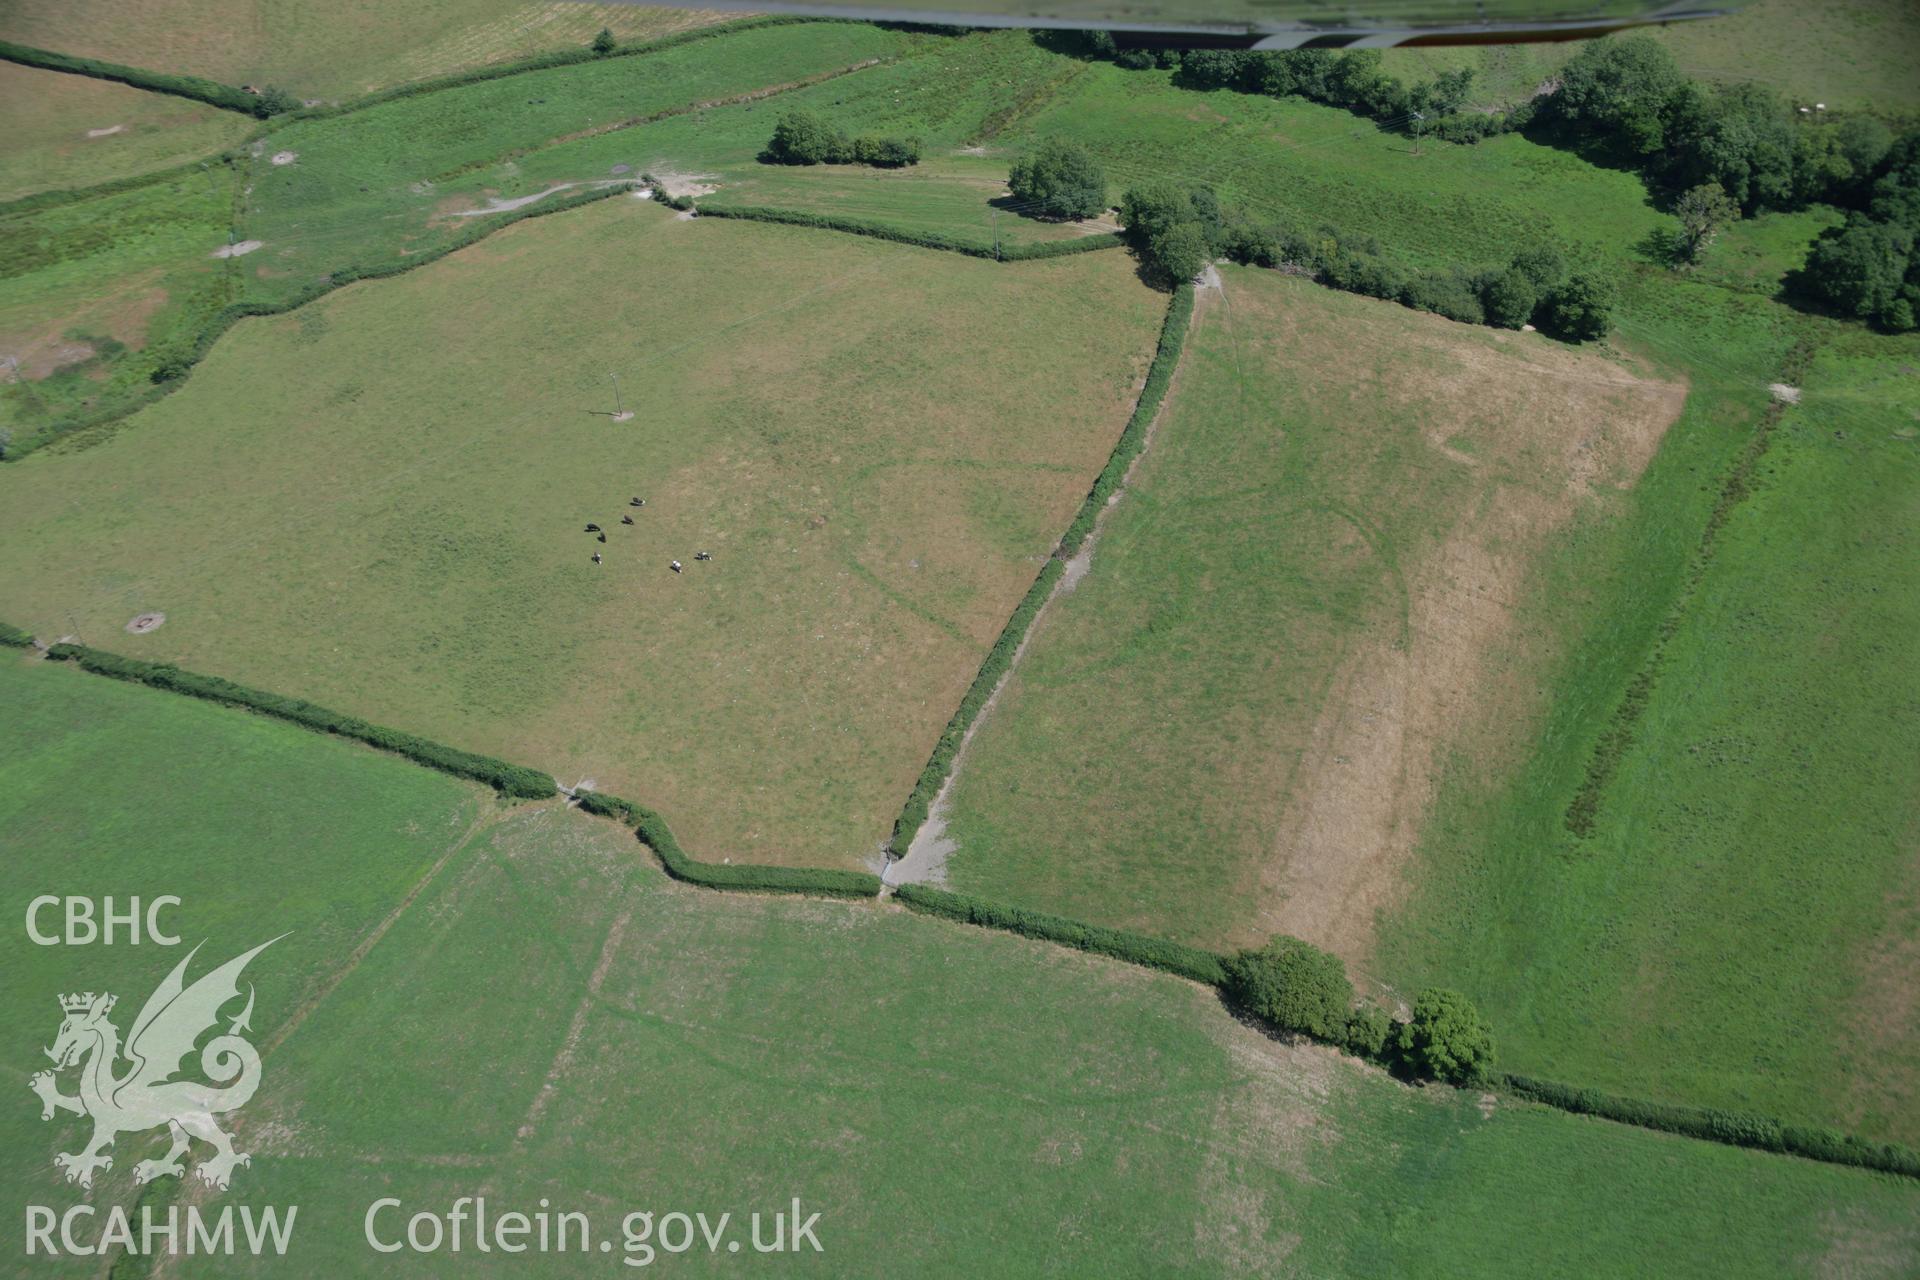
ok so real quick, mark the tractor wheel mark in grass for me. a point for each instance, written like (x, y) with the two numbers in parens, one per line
(379, 931)
(1619, 735)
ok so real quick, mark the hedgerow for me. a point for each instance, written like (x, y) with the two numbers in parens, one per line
(1365, 1030)
(1166, 358)
(508, 779)
(660, 196)
(1173, 337)
(15, 637)
(1177, 228)
(1368, 1027)
(653, 832)
(225, 96)
(57, 196)
(174, 364)
(921, 239)
(1137, 948)
(1735, 1128)
(1293, 985)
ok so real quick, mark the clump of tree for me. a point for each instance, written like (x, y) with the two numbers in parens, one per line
(1447, 1039)
(1177, 230)
(801, 137)
(1869, 268)
(603, 43)
(1057, 179)
(1369, 1033)
(1293, 985)
(1630, 99)
(274, 101)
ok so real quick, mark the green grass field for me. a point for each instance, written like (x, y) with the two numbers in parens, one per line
(878, 444)
(1857, 54)
(332, 51)
(114, 790)
(68, 131)
(1228, 729)
(1338, 668)
(390, 180)
(86, 287)
(544, 1014)
(1740, 926)
(1286, 157)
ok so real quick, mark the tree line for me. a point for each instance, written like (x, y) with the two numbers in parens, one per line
(1177, 229)
(1714, 153)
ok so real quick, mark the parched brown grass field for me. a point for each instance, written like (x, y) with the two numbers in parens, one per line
(378, 502)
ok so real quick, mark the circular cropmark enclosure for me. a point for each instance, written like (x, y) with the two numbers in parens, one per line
(145, 622)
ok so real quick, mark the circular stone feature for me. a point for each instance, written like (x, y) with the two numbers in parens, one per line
(146, 622)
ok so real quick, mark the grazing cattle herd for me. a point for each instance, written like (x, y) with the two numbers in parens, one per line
(600, 535)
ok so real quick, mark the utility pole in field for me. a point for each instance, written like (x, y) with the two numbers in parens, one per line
(1419, 121)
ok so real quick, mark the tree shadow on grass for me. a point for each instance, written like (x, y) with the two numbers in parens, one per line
(1394, 1066)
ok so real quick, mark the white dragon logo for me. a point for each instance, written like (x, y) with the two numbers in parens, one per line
(146, 1096)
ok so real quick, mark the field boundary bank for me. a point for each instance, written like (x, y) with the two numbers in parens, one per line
(496, 71)
(919, 239)
(667, 113)
(549, 61)
(999, 659)
(516, 782)
(1622, 726)
(512, 780)
(54, 197)
(1728, 1128)
(234, 312)
(226, 317)
(199, 88)
(232, 98)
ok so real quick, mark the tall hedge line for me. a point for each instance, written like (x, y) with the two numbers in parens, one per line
(227, 97)
(508, 779)
(1166, 357)
(1731, 1128)
(923, 239)
(56, 196)
(225, 318)
(1735, 1128)
(653, 832)
(1137, 948)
